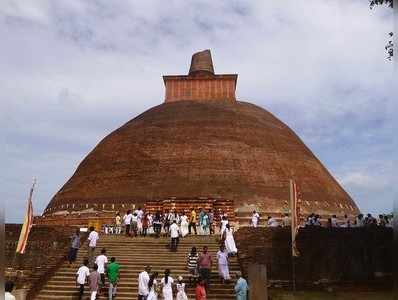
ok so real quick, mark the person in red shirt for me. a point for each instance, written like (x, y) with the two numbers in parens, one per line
(204, 263)
(200, 290)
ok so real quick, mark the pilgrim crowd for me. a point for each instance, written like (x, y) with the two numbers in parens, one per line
(142, 223)
(96, 270)
(205, 222)
(332, 222)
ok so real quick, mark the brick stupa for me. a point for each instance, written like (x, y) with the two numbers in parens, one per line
(199, 148)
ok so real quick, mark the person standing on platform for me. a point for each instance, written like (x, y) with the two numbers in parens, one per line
(333, 221)
(272, 222)
(113, 273)
(286, 220)
(134, 224)
(241, 288)
(205, 262)
(157, 224)
(127, 221)
(200, 291)
(74, 247)
(81, 277)
(101, 262)
(145, 224)
(140, 216)
(211, 221)
(166, 222)
(175, 217)
(92, 239)
(184, 225)
(143, 280)
(94, 280)
(118, 224)
(150, 224)
(200, 219)
(167, 283)
(255, 219)
(192, 221)
(205, 224)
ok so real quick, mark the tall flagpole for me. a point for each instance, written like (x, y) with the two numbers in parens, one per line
(294, 226)
(27, 224)
(292, 221)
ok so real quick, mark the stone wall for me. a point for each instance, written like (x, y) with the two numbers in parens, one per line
(46, 250)
(339, 254)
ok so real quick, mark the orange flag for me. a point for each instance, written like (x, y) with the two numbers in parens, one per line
(27, 224)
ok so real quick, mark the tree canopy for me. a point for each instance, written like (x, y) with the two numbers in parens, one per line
(390, 45)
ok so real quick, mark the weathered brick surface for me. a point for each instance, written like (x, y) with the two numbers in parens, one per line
(203, 88)
(339, 254)
(190, 149)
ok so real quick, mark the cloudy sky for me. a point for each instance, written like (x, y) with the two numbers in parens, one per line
(74, 71)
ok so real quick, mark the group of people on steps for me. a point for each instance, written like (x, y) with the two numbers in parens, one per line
(198, 265)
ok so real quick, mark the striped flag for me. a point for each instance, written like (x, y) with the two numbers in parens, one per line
(295, 214)
(27, 224)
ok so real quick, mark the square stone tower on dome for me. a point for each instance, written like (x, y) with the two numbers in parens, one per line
(201, 84)
(200, 148)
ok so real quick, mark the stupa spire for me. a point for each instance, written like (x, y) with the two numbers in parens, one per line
(201, 62)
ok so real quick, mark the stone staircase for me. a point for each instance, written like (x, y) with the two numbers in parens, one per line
(133, 254)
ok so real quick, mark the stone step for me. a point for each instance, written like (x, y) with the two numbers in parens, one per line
(133, 254)
(129, 296)
(124, 289)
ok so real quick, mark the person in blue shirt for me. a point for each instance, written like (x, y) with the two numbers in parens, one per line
(241, 288)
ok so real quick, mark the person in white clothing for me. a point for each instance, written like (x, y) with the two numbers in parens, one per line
(8, 287)
(167, 283)
(286, 220)
(230, 241)
(223, 269)
(272, 222)
(140, 216)
(127, 221)
(255, 219)
(224, 222)
(150, 224)
(143, 280)
(181, 295)
(184, 225)
(92, 239)
(134, 224)
(334, 221)
(101, 262)
(174, 235)
(152, 287)
(81, 277)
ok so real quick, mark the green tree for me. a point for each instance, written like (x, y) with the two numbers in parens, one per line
(390, 46)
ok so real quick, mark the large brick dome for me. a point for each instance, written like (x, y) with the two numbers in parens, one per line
(202, 147)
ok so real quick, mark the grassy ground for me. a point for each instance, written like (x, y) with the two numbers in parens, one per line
(312, 295)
